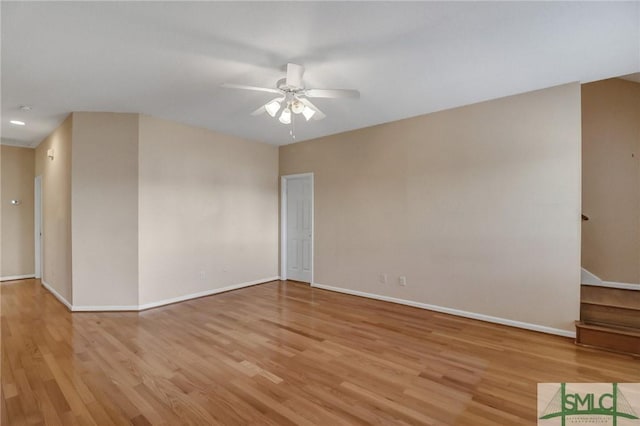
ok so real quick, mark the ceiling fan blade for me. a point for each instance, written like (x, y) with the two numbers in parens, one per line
(319, 115)
(294, 75)
(332, 93)
(245, 87)
(259, 111)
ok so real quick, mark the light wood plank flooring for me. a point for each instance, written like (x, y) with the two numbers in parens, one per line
(280, 353)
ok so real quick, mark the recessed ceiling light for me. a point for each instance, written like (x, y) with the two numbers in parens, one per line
(17, 122)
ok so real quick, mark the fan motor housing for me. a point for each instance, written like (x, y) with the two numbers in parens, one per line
(282, 85)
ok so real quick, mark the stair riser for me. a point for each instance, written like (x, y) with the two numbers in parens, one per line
(629, 299)
(610, 315)
(608, 340)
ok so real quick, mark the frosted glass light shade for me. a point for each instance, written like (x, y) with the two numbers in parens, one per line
(285, 117)
(272, 108)
(308, 113)
(297, 107)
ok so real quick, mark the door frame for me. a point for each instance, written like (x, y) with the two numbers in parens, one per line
(283, 222)
(37, 226)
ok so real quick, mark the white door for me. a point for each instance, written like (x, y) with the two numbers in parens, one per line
(38, 226)
(299, 228)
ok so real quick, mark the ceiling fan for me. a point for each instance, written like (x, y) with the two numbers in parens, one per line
(293, 97)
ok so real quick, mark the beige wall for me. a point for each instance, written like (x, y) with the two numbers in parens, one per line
(17, 172)
(56, 208)
(611, 179)
(208, 210)
(154, 210)
(477, 206)
(105, 209)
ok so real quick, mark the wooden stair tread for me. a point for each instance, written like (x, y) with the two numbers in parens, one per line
(610, 305)
(596, 313)
(610, 328)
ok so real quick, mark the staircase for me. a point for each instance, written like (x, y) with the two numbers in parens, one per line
(609, 319)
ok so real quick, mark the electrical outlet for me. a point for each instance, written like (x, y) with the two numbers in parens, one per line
(203, 275)
(402, 281)
(383, 279)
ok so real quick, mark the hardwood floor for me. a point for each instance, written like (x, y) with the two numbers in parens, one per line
(280, 353)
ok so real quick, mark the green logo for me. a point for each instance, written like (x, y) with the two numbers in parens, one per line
(588, 407)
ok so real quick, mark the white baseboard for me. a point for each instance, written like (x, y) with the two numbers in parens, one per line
(104, 308)
(451, 311)
(142, 307)
(17, 277)
(204, 293)
(588, 278)
(57, 295)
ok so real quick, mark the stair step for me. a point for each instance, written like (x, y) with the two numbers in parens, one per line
(612, 315)
(618, 339)
(631, 331)
(607, 296)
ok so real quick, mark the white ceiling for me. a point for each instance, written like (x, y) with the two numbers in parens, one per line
(407, 59)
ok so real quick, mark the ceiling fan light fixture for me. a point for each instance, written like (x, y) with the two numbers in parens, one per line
(293, 97)
(308, 113)
(285, 117)
(297, 107)
(272, 108)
